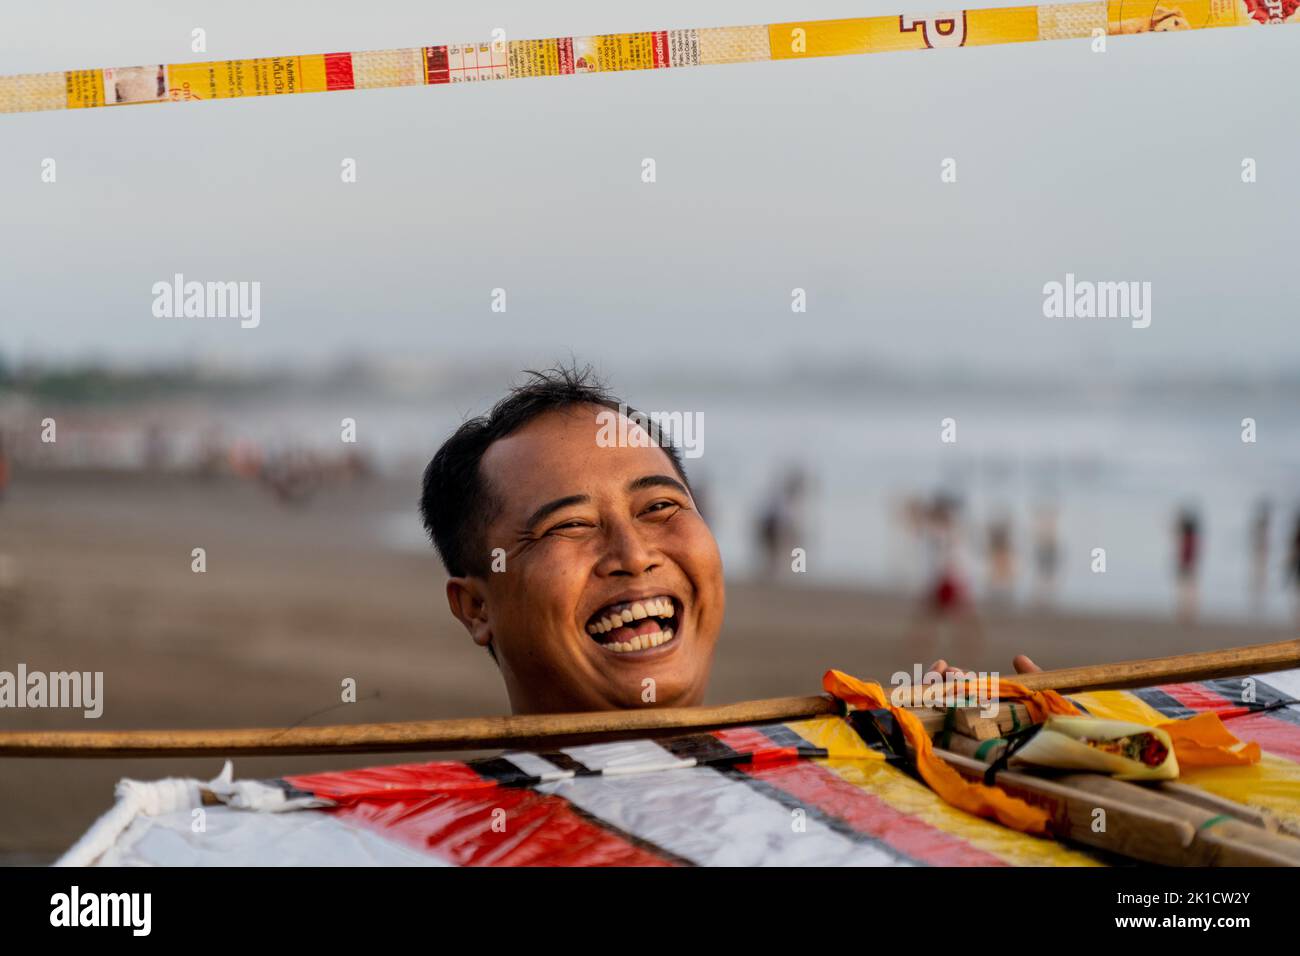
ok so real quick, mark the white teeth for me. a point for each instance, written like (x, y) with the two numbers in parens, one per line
(655, 607)
(641, 642)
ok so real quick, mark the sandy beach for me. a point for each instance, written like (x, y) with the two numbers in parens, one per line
(295, 600)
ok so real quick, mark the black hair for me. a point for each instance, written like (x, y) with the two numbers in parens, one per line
(456, 502)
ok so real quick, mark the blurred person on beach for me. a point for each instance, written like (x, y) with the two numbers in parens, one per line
(1047, 555)
(1259, 534)
(213, 453)
(780, 524)
(1001, 562)
(1187, 531)
(292, 474)
(4, 469)
(946, 602)
(157, 447)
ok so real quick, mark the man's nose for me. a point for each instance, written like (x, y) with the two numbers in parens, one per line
(626, 551)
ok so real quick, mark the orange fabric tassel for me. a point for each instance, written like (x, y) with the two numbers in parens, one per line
(976, 798)
(1203, 741)
(1039, 703)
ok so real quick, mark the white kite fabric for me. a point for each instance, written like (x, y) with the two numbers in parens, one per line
(802, 793)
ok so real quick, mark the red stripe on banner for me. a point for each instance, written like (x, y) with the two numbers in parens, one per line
(565, 46)
(1199, 697)
(830, 794)
(437, 69)
(758, 746)
(391, 783)
(338, 71)
(660, 47)
(505, 826)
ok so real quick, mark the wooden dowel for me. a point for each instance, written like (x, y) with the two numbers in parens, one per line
(554, 730)
(1230, 662)
(468, 733)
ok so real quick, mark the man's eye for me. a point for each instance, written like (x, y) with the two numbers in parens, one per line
(568, 525)
(660, 506)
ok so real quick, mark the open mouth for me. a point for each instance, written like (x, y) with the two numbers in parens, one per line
(629, 626)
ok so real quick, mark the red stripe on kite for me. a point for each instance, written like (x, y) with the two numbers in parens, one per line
(1198, 697)
(392, 783)
(758, 746)
(831, 795)
(1278, 737)
(505, 826)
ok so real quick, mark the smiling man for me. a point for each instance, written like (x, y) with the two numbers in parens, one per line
(583, 567)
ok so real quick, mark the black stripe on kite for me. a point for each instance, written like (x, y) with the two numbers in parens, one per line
(723, 759)
(1267, 697)
(565, 762)
(502, 771)
(1167, 705)
(704, 749)
(290, 791)
(507, 774)
(784, 736)
(774, 793)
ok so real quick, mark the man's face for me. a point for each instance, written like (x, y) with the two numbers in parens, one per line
(594, 536)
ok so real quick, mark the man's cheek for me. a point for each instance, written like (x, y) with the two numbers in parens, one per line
(550, 594)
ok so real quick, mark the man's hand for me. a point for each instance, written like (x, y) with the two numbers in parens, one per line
(1021, 663)
(1024, 665)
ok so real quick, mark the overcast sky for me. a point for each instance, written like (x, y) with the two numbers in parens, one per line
(820, 174)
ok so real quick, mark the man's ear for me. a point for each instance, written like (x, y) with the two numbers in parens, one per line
(468, 602)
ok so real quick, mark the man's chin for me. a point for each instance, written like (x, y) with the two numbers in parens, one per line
(668, 680)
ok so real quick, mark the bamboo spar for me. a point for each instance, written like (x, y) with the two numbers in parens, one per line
(552, 730)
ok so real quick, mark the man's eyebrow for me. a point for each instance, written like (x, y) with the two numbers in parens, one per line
(553, 506)
(657, 481)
